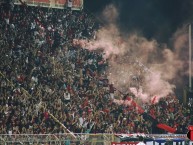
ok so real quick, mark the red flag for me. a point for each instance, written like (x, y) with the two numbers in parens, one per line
(138, 108)
(153, 100)
(166, 127)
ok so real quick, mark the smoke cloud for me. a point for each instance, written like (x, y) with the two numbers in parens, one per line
(122, 102)
(110, 14)
(138, 66)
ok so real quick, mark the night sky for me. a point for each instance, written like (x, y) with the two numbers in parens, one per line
(157, 19)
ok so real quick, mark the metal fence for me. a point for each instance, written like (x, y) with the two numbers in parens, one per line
(56, 139)
(85, 139)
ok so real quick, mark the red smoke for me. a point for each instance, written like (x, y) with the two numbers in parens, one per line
(137, 65)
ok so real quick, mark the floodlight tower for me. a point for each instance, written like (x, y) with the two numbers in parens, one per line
(190, 58)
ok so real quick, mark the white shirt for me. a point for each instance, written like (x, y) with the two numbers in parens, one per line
(7, 20)
(67, 96)
(141, 143)
(81, 121)
(10, 132)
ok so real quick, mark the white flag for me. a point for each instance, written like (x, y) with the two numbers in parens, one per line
(70, 3)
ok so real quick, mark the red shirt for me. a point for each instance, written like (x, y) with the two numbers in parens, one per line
(46, 115)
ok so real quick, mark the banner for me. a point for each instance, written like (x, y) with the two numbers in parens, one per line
(61, 4)
(124, 143)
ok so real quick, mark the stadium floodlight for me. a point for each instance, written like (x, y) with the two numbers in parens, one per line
(190, 58)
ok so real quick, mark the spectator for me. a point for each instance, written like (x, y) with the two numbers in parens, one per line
(39, 58)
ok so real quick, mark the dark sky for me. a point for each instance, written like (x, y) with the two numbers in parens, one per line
(157, 19)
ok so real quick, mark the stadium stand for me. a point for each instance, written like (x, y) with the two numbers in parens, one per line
(42, 73)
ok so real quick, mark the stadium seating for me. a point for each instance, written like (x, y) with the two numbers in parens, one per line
(44, 74)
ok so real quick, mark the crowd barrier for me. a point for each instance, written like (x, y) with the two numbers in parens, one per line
(89, 139)
(56, 139)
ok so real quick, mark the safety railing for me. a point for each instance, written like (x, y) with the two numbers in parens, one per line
(88, 139)
(57, 139)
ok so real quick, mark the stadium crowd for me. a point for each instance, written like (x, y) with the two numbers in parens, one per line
(42, 73)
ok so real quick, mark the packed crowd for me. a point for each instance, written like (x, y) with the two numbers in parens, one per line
(42, 73)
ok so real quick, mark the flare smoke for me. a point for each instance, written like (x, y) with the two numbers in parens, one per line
(137, 65)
